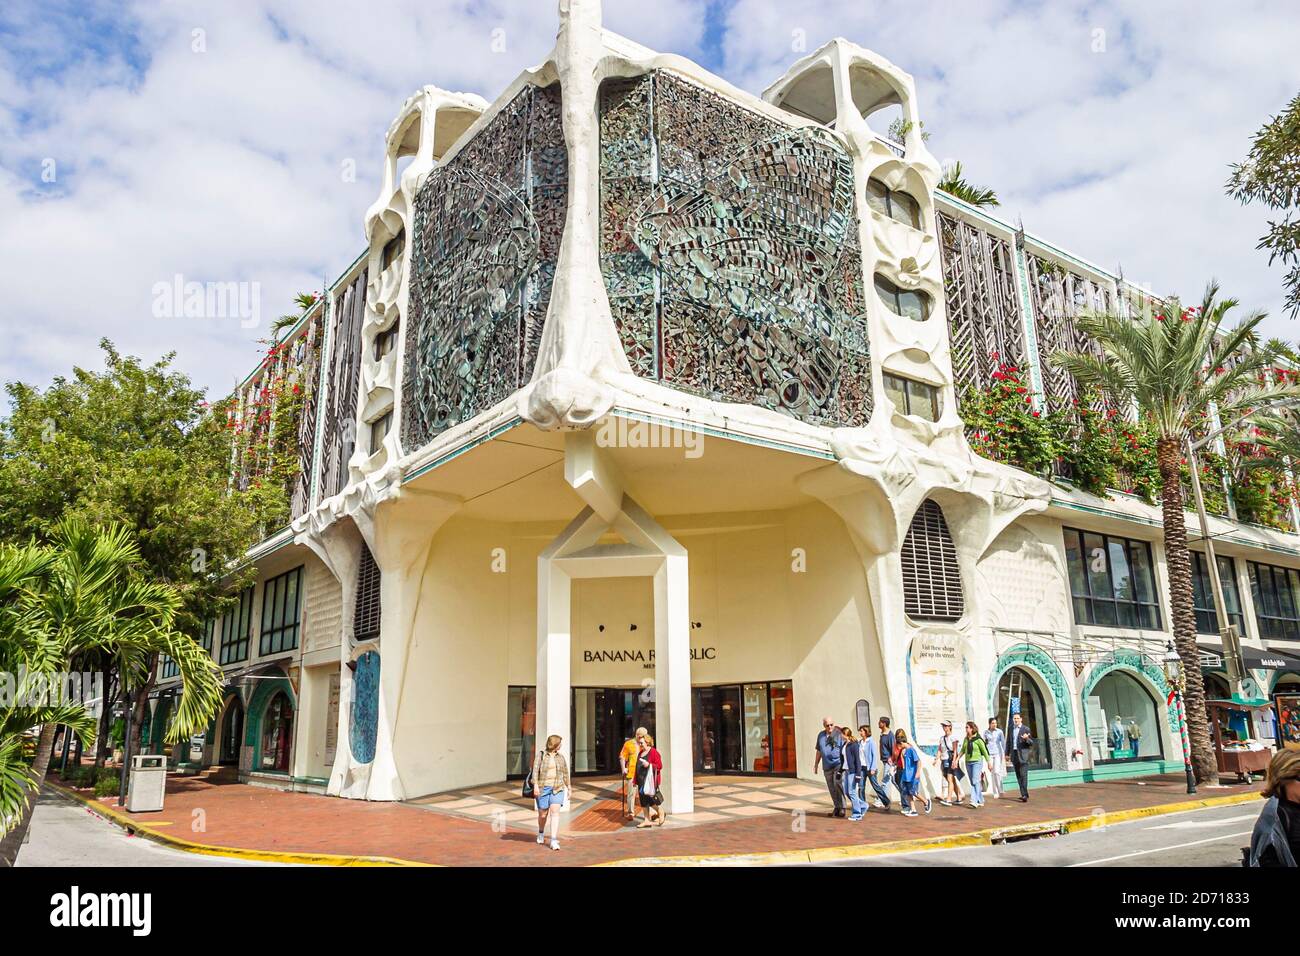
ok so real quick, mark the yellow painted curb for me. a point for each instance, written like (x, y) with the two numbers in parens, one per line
(948, 842)
(134, 825)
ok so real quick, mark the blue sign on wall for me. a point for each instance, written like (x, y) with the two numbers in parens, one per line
(364, 726)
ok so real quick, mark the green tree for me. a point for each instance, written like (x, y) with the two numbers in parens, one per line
(86, 592)
(137, 445)
(954, 183)
(1271, 175)
(1174, 368)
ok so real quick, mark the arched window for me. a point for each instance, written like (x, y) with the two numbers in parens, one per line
(906, 303)
(365, 623)
(1130, 719)
(893, 203)
(931, 576)
(277, 733)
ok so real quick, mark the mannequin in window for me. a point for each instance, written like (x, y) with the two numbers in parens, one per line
(1117, 733)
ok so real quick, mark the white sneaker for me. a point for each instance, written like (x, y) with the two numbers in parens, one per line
(555, 844)
(909, 813)
(541, 838)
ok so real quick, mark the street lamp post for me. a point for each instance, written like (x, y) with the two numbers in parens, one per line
(1174, 675)
(1227, 630)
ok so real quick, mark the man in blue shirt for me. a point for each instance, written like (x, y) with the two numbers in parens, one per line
(830, 759)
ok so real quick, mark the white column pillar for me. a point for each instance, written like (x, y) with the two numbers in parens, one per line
(673, 683)
(553, 656)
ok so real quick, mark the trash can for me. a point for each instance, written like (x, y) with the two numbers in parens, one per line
(148, 780)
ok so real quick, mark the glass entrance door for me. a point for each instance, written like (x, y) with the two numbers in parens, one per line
(603, 718)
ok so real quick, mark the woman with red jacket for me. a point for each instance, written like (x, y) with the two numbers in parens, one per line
(649, 775)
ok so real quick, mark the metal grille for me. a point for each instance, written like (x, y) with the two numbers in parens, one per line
(365, 623)
(931, 577)
(341, 401)
(979, 285)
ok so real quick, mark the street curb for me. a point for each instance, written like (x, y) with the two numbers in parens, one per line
(985, 837)
(136, 827)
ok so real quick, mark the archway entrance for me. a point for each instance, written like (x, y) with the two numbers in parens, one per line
(232, 732)
(277, 733)
(1018, 693)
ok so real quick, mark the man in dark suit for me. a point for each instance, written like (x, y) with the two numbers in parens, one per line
(1020, 743)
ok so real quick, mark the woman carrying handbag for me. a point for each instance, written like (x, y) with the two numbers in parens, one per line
(649, 773)
(548, 783)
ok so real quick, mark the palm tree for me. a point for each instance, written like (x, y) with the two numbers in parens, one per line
(954, 184)
(1174, 368)
(84, 595)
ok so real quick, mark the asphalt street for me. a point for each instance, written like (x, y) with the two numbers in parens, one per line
(1210, 837)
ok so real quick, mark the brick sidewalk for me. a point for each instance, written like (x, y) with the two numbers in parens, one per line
(245, 817)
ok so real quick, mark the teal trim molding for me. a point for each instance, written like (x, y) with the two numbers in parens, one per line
(256, 710)
(1032, 658)
(1133, 662)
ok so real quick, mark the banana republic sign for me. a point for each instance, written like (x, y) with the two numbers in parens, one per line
(646, 658)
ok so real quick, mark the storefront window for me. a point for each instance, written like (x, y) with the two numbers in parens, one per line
(1207, 621)
(1018, 694)
(758, 742)
(521, 730)
(1277, 597)
(1111, 580)
(783, 727)
(277, 733)
(736, 728)
(1123, 720)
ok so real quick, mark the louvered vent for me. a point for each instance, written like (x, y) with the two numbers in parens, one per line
(931, 578)
(365, 625)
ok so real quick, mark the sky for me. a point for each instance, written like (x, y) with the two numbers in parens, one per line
(142, 144)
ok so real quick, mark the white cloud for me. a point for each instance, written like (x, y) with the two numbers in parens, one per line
(1119, 156)
(226, 164)
(221, 165)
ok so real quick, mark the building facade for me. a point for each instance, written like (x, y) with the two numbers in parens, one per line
(641, 408)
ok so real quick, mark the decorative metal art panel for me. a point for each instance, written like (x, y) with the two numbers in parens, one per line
(1059, 298)
(729, 247)
(486, 235)
(340, 436)
(983, 305)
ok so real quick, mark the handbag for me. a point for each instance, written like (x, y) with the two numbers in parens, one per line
(530, 791)
(658, 798)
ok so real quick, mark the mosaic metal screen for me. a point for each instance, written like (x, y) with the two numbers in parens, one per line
(729, 247)
(983, 305)
(1059, 298)
(486, 234)
(340, 436)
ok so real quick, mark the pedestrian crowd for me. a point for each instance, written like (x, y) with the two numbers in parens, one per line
(642, 769)
(860, 767)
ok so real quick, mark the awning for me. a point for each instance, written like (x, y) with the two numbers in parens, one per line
(1255, 658)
